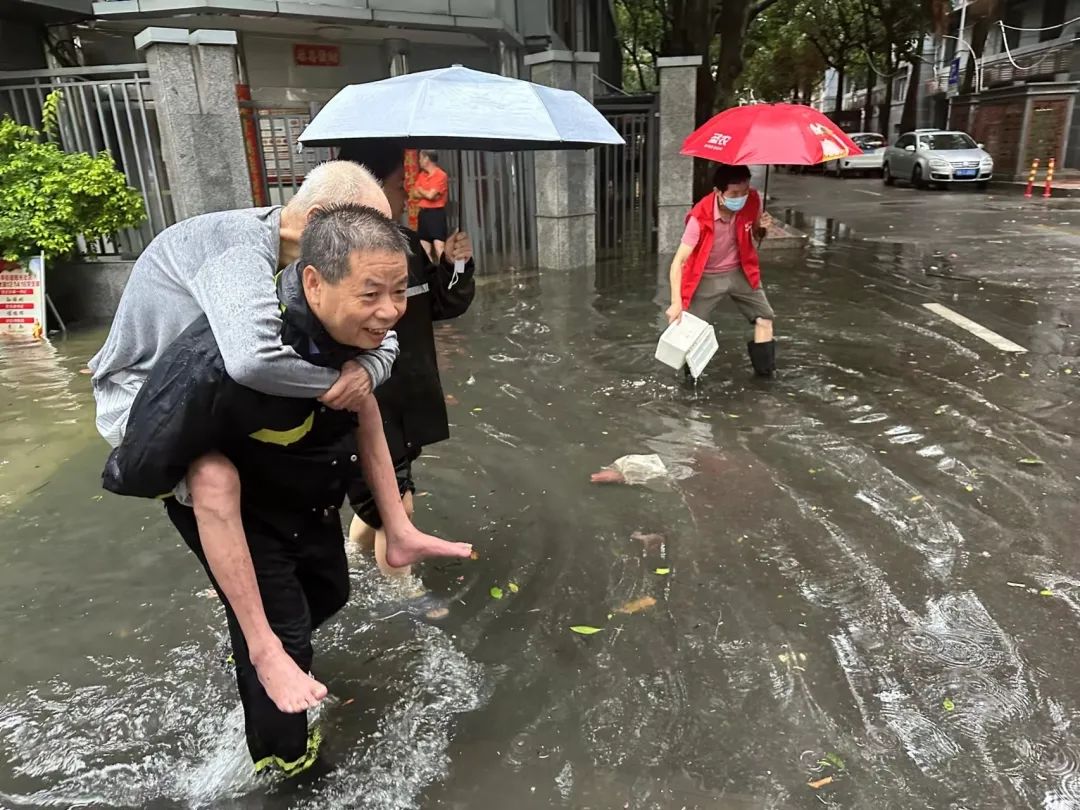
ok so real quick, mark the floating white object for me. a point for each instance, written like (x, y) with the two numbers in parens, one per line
(640, 469)
(691, 341)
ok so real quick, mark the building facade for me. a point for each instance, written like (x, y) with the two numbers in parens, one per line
(1022, 98)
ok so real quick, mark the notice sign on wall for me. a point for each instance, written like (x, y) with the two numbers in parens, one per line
(317, 55)
(22, 298)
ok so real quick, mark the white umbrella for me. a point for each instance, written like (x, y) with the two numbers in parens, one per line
(459, 108)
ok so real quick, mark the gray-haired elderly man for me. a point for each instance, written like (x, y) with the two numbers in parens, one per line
(295, 458)
(222, 266)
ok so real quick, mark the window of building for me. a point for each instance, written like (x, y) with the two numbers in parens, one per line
(1014, 16)
(1053, 15)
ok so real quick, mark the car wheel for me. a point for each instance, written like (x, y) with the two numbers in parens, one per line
(916, 177)
(886, 177)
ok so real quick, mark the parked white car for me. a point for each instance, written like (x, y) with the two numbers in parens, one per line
(936, 156)
(869, 162)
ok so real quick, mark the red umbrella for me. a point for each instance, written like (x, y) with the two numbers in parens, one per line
(769, 133)
(758, 134)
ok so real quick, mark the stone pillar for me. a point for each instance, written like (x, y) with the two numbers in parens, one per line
(194, 78)
(678, 92)
(565, 181)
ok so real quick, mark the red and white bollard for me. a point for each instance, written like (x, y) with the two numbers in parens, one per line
(1049, 177)
(1031, 177)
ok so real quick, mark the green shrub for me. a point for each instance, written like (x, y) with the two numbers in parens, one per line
(49, 197)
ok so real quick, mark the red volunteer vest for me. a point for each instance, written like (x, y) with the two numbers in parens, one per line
(704, 212)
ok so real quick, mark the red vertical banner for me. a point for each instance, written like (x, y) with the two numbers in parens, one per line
(412, 169)
(252, 146)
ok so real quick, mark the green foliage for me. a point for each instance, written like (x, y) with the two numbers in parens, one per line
(781, 61)
(48, 197)
(640, 28)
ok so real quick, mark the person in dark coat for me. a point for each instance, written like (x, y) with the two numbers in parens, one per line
(412, 402)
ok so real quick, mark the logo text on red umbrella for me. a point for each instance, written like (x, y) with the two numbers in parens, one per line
(719, 140)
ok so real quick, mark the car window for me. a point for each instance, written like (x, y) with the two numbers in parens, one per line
(905, 141)
(869, 141)
(945, 141)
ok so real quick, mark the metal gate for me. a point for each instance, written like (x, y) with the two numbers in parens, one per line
(626, 176)
(108, 108)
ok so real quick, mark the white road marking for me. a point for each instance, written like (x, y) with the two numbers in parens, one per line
(867, 191)
(980, 331)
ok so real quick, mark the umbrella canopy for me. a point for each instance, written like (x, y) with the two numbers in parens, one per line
(769, 133)
(459, 108)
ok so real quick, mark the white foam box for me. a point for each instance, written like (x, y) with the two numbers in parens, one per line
(690, 342)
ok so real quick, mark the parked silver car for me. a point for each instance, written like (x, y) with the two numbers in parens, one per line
(935, 156)
(869, 162)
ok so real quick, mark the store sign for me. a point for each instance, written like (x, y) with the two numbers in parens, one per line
(22, 298)
(317, 55)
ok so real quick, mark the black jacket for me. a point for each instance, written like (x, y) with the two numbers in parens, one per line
(290, 453)
(412, 402)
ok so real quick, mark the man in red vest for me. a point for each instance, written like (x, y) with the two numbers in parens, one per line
(717, 259)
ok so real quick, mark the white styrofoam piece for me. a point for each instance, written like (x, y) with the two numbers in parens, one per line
(691, 341)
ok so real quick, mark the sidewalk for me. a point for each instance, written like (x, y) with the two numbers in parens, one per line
(1066, 187)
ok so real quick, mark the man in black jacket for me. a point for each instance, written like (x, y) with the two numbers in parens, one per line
(295, 458)
(412, 402)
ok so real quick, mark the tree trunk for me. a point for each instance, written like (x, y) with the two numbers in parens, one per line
(885, 116)
(868, 102)
(838, 104)
(909, 119)
(731, 28)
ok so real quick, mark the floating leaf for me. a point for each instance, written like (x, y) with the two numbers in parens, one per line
(1031, 461)
(585, 630)
(477, 410)
(948, 705)
(475, 555)
(916, 498)
(820, 783)
(513, 587)
(1046, 592)
(637, 605)
(969, 488)
(347, 702)
(663, 571)
(496, 592)
(834, 760)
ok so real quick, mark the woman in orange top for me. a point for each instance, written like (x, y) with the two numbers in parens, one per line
(432, 190)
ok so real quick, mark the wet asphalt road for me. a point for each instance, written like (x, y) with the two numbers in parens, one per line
(870, 594)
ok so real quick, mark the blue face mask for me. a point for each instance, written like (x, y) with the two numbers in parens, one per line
(735, 203)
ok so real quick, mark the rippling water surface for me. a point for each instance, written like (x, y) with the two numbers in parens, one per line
(866, 591)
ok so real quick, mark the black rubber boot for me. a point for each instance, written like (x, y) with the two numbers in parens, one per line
(763, 357)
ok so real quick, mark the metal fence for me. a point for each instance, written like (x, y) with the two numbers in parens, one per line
(626, 176)
(103, 109)
(491, 194)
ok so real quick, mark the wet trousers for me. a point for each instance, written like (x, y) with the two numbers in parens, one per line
(303, 578)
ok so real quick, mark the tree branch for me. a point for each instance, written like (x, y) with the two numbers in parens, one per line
(760, 6)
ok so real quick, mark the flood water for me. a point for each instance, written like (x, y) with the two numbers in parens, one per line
(871, 597)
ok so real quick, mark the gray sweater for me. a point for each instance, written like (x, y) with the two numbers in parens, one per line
(221, 265)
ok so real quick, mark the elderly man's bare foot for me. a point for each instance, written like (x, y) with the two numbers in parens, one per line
(412, 546)
(292, 690)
